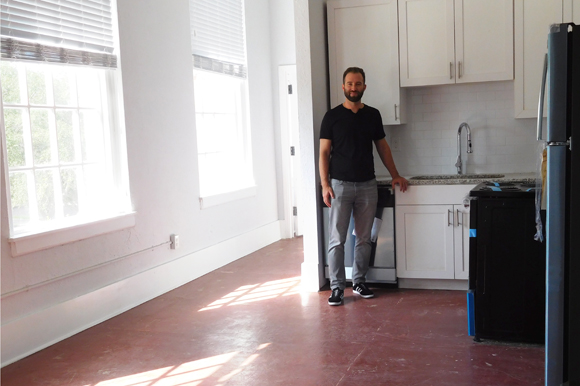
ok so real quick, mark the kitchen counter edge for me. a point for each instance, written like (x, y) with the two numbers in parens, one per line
(508, 177)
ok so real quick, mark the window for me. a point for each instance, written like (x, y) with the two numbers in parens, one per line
(63, 128)
(221, 97)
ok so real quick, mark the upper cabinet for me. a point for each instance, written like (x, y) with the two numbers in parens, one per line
(532, 20)
(571, 11)
(455, 41)
(427, 42)
(363, 33)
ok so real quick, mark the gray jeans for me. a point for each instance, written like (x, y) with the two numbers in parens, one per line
(360, 199)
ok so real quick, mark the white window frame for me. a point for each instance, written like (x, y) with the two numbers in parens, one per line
(217, 49)
(235, 183)
(55, 233)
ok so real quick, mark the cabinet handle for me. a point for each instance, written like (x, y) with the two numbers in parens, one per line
(459, 69)
(396, 118)
(450, 70)
(459, 215)
(449, 222)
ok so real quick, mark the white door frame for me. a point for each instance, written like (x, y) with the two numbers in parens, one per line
(289, 129)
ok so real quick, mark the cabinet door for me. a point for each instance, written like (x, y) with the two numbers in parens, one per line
(571, 11)
(484, 40)
(424, 241)
(364, 34)
(461, 241)
(427, 42)
(532, 19)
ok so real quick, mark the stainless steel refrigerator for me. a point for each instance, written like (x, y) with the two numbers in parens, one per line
(563, 209)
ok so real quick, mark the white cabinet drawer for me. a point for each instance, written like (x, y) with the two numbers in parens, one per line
(432, 194)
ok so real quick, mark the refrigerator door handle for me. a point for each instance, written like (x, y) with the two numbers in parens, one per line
(541, 99)
(568, 143)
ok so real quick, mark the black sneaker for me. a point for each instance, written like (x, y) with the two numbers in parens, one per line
(335, 298)
(363, 290)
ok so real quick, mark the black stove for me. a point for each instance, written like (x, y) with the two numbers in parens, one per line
(507, 267)
(504, 189)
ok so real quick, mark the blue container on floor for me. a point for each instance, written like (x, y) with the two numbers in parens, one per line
(470, 313)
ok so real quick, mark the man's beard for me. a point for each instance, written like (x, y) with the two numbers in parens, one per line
(355, 98)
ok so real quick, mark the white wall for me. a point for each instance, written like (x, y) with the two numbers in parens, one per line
(428, 142)
(93, 279)
(313, 99)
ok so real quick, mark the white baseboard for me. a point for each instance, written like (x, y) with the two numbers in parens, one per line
(36, 331)
(286, 229)
(437, 284)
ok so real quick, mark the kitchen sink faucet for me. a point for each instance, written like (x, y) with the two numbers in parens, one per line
(458, 163)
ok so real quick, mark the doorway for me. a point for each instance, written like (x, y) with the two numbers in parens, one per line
(288, 96)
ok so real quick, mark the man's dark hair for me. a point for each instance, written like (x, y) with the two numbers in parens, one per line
(354, 70)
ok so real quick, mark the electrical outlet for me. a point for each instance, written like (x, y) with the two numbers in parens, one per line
(174, 241)
(395, 142)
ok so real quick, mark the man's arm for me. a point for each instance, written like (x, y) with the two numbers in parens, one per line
(323, 167)
(387, 157)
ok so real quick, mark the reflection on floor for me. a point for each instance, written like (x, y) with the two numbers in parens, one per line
(248, 324)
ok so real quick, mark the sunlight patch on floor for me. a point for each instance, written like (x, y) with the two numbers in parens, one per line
(256, 292)
(191, 373)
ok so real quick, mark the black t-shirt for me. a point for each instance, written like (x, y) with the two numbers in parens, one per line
(352, 135)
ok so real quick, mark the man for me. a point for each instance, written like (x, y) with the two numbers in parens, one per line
(347, 174)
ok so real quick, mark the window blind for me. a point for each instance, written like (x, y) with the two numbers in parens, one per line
(64, 31)
(218, 39)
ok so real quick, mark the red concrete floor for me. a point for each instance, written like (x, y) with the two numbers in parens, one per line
(248, 324)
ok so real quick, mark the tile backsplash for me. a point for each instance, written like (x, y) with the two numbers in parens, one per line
(427, 143)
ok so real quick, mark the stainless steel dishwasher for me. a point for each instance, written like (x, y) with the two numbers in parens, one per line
(382, 267)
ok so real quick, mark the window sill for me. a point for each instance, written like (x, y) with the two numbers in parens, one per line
(28, 243)
(218, 199)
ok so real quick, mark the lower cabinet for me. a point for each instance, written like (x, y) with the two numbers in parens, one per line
(432, 239)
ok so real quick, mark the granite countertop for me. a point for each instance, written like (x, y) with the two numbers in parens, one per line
(465, 179)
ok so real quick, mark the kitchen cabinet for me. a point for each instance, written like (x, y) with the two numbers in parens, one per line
(571, 11)
(432, 232)
(455, 41)
(364, 33)
(532, 20)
